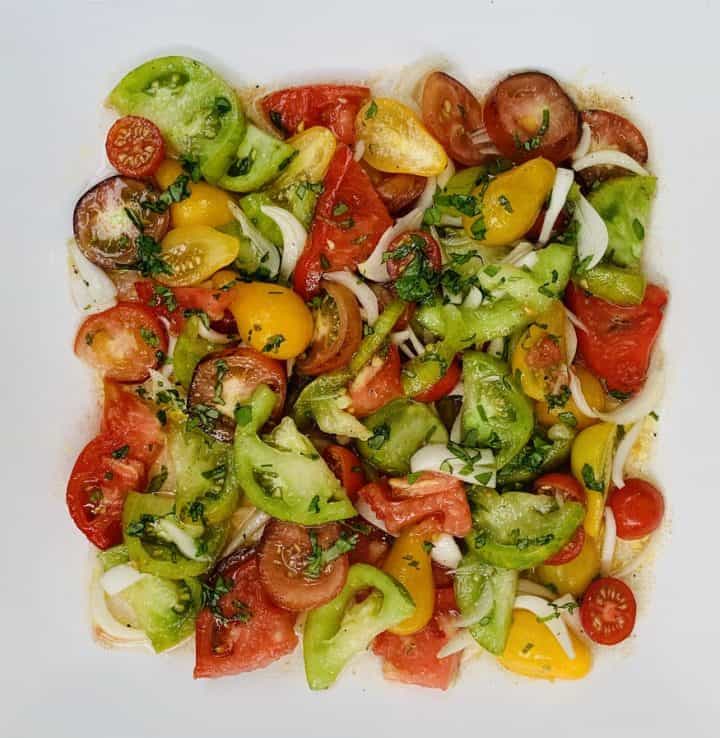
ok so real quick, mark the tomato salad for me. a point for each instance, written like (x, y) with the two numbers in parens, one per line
(379, 374)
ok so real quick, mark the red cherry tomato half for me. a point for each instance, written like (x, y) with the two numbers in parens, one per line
(568, 488)
(404, 249)
(444, 385)
(345, 465)
(376, 384)
(135, 146)
(638, 508)
(607, 612)
(397, 191)
(124, 342)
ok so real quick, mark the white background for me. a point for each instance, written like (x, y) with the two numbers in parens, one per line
(58, 62)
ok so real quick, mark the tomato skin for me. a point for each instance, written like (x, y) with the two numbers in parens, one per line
(638, 508)
(431, 249)
(619, 339)
(112, 342)
(569, 489)
(346, 466)
(397, 191)
(372, 546)
(222, 650)
(341, 239)
(333, 106)
(376, 384)
(135, 146)
(443, 386)
(608, 610)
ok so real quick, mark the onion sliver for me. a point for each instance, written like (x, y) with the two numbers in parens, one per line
(575, 320)
(519, 251)
(609, 158)
(359, 150)
(623, 451)
(438, 457)
(294, 236)
(106, 626)
(482, 608)
(593, 236)
(248, 532)
(579, 397)
(570, 342)
(445, 551)
(119, 578)
(474, 298)
(458, 390)
(550, 616)
(265, 250)
(446, 175)
(457, 643)
(607, 551)
(92, 290)
(365, 296)
(426, 198)
(564, 179)
(584, 143)
(528, 587)
(210, 335)
(171, 531)
(366, 512)
(456, 430)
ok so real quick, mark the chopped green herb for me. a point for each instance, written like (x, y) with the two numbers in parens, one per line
(314, 506)
(371, 112)
(273, 343)
(158, 480)
(211, 596)
(319, 558)
(379, 436)
(589, 480)
(243, 415)
(149, 336)
(339, 209)
(121, 452)
(505, 203)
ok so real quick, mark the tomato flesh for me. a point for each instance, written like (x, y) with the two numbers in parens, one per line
(397, 191)
(443, 386)
(569, 489)
(345, 465)
(638, 508)
(135, 146)
(405, 248)
(377, 384)
(607, 612)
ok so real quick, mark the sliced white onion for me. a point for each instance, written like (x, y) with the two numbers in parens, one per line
(407, 351)
(294, 236)
(564, 179)
(459, 642)
(607, 552)
(519, 252)
(480, 136)
(438, 457)
(456, 430)
(584, 143)
(289, 366)
(474, 298)
(359, 150)
(210, 335)
(445, 551)
(365, 511)
(555, 624)
(167, 367)
(105, 625)
(575, 320)
(623, 451)
(609, 158)
(92, 290)
(639, 559)
(496, 347)
(187, 545)
(265, 250)
(571, 342)
(560, 432)
(119, 578)
(446, 175)
(579, 397)
(365, 296)
(399, 337)
(455, 221)
(417, 344)
(248, 532)
(571, 615)
(458, 390)
(528, 587)
(593, 236)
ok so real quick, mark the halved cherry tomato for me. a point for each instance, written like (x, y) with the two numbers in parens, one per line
(225, 378)
(135, 146)
(568, 488)
(124, 342)
(372, 546)
(404, 249)
(529, 115)
(638, 508)
(400, 503)
(248, 631)
(334, 106)
(618, 341)
(337, 333)
(346, 467)
(444, 385)
(285, 565)
(412, 659)
(349, 220)
(607, 612)
(377, 383)
(454, 116)
(397, 191)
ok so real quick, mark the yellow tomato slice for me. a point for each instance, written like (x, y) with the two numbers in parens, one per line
(575, 576)
(396, 141)
(594, 394)
(315, 148)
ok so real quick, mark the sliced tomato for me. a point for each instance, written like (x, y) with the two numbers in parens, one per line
(376, 384)
(567, 488)
(337, 331)
(135, 146)
(607, 612)
(619, 339)
(401, 503)
(285, 560)
(406, 247)
(123, 342)
(413, 659)
(544, 353)
(373, 544)
(442, 576)
(248, 630)
(345, 465)
(638, 508)
(334, 106)
(443, 386)
(349, 219)
(529, 115)
(454, 116)
(397, 191)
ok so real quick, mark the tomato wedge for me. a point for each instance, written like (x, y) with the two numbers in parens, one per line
(123, 342)
(334, 106)
(443, 386)
(245, 630)
(619, 339)
(346, 466)
(376, 384)
(349, 219)
(607, 612)
(638, 508)
(337, 332)
(135, 146)
(529, 115)
(412, 659)
(405, 248)
(397, 191)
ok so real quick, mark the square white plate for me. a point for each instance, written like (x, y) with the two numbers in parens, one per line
(59, 60)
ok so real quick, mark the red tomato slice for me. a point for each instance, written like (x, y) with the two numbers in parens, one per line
(397, 191)
(337, 333)
(607, 612)
(619, 339)
(345, 465)
(444, 385)
(376, 384)
(401, 503)
(638, 508)
(135, 146)
(405, 248)
(124, 342)
(454, 116)
(333, 106)
(373, 544)
(266, 635)
(529, 115)
(349, 219)
(413, 659)
(283, 558)
(566, 487)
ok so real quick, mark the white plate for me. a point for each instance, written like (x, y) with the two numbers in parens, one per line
(59, 60)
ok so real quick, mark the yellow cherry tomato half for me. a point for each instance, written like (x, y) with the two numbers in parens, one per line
(591, 460)
(511, 203)
(194, 253)
(396, 141)
(533, 651)
(409, 562)
(207, 205)
(315, 148)
(272, 319)
(594, 394)
(575, 576)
